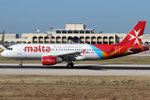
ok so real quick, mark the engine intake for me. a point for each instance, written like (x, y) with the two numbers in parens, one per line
(46, 60)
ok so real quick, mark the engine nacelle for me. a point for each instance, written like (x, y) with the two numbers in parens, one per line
(46, 60)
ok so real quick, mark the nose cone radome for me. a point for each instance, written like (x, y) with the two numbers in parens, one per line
(4, 54)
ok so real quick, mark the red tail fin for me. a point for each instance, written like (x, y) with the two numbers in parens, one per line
(134, 36)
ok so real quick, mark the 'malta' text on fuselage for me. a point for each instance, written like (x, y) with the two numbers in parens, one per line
(37, 48)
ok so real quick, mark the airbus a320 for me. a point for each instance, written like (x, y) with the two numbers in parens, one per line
(51, 54)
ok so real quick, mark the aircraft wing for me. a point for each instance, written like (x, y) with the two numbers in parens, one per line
(65, 56)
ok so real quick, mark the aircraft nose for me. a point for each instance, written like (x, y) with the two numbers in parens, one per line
(4, 54)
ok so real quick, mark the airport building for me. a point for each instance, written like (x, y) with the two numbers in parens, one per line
(73, 33)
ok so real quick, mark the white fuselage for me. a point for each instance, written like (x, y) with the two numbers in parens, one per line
(36, 51)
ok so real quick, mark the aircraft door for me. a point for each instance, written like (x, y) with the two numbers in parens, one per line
(19, 51)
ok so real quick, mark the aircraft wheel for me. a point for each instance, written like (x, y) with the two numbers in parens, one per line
(70, 65)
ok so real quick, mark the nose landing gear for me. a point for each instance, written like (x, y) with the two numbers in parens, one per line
(20, 64)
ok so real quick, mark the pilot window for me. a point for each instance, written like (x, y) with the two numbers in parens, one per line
(10, 48)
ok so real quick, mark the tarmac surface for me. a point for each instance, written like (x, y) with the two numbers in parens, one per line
(79, 69)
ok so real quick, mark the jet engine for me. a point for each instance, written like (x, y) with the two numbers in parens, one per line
(46, 60)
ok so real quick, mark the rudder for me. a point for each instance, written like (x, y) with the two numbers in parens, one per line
(134, 36)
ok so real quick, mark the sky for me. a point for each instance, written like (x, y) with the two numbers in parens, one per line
(109, 16)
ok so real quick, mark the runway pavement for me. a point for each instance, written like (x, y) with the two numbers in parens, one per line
(79, 69)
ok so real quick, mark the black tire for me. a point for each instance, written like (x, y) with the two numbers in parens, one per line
(20, 66)
(70, 65)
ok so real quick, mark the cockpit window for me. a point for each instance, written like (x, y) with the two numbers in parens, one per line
(10, 48)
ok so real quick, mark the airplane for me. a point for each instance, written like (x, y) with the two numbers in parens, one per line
(51, 54)
(2, 40)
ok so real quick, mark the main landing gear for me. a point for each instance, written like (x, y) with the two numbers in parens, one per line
(20, 64)
(70, 64)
